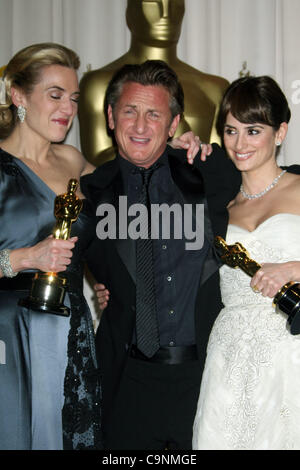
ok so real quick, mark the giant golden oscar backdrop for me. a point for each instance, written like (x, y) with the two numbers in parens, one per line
(155, 29)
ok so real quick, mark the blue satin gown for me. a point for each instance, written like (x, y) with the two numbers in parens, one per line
(49, 384)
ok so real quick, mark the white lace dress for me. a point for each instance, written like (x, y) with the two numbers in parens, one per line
(250, 392)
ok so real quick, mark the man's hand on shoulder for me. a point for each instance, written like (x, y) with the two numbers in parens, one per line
(193, 145)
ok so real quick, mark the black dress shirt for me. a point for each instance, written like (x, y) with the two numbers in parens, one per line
(176, 270)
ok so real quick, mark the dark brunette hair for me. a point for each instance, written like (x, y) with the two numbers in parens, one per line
(254, 99)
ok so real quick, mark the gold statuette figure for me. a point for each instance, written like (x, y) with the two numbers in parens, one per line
(48, 289)
(287, 300)
(155, 28)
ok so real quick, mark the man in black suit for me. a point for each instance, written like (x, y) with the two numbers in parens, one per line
(150, 395)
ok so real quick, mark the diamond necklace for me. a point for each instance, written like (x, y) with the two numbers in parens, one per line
(262, 193)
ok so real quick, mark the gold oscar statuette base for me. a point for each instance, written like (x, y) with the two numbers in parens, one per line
(47, 294)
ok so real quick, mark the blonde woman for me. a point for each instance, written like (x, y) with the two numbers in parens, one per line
(49, 394)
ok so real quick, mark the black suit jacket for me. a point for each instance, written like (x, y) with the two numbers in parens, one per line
(112, 262)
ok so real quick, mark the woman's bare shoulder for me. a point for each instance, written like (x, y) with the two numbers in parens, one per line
(74, 157)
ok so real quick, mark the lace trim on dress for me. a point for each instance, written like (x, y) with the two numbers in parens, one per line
(81, 412)
(7, 164)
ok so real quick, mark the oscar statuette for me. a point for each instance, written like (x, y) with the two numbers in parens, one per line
(48, 289)
(287, 299)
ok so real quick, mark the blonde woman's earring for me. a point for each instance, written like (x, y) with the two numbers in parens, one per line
(21, 112)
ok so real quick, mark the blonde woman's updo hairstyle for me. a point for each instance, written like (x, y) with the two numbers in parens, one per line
(23, 71)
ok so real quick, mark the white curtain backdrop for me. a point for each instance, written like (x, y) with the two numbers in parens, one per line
(217, 37)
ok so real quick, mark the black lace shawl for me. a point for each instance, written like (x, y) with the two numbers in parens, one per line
(81, 413)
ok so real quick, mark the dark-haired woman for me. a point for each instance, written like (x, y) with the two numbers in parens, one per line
(249, 395)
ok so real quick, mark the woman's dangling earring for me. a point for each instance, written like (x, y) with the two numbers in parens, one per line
(21, 112)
